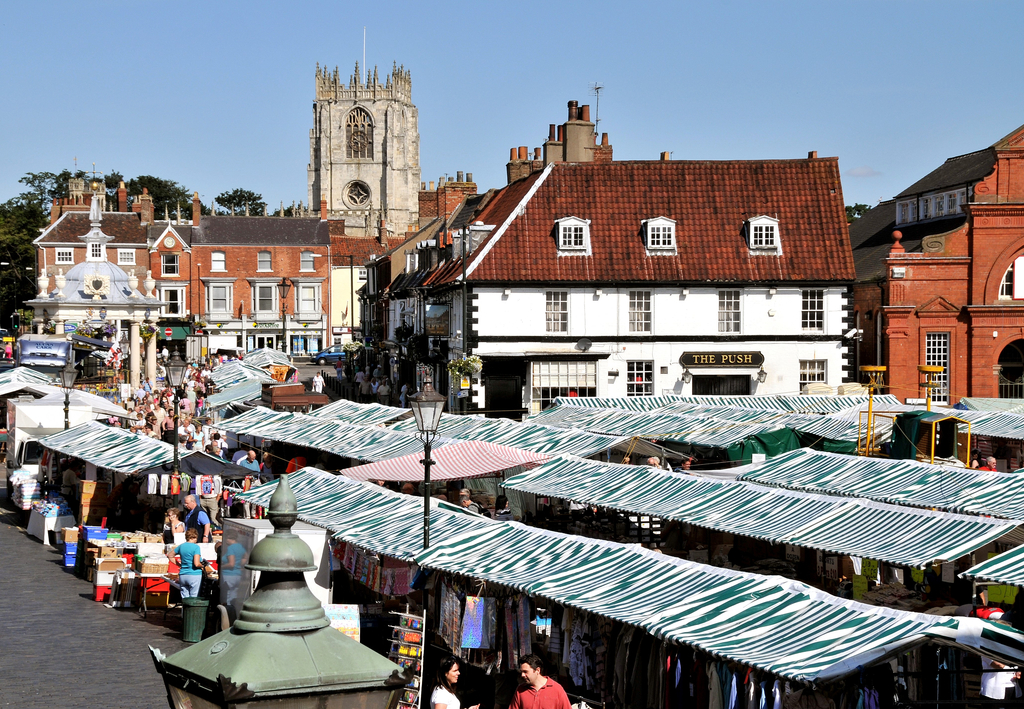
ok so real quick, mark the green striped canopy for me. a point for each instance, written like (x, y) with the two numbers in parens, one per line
(1007, 567)
(781, 626)
(234, 372)
(361, 414)
(979, 403)
(24, 375)
(112, 448)
(347, 440)
(528, 436)
(243, 391)
(805, 403)
(898, 535)
(901, 482)
(266, 357)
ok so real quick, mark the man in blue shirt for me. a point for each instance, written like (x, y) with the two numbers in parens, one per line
(250, 462)
(190, 576)
(197, 519)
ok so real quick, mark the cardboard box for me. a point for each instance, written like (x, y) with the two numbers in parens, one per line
(157, 599)
(110, 552)
(69, 535)
(110, 564)
(90, 574)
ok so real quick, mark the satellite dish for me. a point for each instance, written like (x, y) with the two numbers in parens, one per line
(584, 344)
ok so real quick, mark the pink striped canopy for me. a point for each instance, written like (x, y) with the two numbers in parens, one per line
(466, 459)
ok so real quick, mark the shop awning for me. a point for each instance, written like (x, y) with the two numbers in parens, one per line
(347, 440)
(243, 391)
(531, 437)
(266, 357)
(465, 459)
(178, 332)
(236, 371)
(900, 482)
(898, 535)
(782, 627)
(362, 414)
(111, 448)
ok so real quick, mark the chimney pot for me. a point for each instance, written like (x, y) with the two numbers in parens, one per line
(573, 110)
(524, 152)
(604, 139)
(536, 153)
(561, 133)
(512, 154)
(431, 186)
(812, 155)
(459, 176)
(423, 186)
(551, 132)
(469, 177)
(666, 156)
(585, 112)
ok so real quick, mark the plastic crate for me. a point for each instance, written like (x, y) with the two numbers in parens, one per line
(70, 548)
(92, 533)
(69, 561)
(101, 593)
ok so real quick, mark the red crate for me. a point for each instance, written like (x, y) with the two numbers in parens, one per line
(101, 593)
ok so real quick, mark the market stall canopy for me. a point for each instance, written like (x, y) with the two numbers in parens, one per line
(24, 375)
(267, 357)
(527, 436)
(783, 627)
(464, 459)
(243, 391)
(997, 424)
(977, 403)
(201, 463)
(54, 396)
(1007, 568)
(344, 439)
(236, 371)
(898, 535)
(361, 414)
(899, 482)
(112, 448)
(800, 403)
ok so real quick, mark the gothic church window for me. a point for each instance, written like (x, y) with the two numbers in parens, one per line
(357, 194)
(359, 135)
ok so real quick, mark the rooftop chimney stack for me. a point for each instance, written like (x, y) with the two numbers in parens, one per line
(197, 209)
(122, 197)
(666, 156)
(459, 176)
(812, 155)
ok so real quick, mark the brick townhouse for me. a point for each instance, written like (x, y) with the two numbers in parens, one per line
(940, 277)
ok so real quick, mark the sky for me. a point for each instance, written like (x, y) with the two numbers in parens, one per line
(218, 95)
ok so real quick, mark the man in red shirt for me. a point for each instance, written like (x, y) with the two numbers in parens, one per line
(537, 691)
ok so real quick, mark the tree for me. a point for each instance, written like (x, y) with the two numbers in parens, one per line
(20, 221)
(44, 187)
(236, 200)
(856, 212)
(168, 196)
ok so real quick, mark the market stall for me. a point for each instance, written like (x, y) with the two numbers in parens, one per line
(456, 461)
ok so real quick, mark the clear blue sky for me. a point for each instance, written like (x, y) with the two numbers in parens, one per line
(218, 95)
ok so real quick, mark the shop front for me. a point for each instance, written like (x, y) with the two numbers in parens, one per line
(725, 373)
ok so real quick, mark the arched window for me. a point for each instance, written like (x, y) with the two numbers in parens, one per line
(1006, 287)
(359, 134)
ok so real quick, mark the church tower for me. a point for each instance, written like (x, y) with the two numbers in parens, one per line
(364, 151)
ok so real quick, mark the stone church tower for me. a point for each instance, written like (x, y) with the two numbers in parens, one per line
(364, 151)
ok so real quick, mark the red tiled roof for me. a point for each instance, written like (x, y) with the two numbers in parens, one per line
(361, 248)
(125, 227)
(710, 201)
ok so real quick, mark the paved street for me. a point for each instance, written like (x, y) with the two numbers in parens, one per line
(60, 648)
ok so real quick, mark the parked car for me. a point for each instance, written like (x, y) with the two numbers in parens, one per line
(331, 355)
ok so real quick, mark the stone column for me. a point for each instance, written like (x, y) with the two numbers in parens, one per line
(151, 359)
(133, 358)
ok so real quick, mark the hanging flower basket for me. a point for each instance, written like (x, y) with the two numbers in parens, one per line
(465, 367)
(147, 332)
(351, 347)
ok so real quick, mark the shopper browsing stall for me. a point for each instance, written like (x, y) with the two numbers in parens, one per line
(197, 519)
(537, 691)
(444, 696)
(190, 559)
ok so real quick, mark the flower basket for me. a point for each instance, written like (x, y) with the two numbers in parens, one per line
(465, 367)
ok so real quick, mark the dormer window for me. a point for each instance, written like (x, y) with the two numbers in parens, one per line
(573, 234)
(660, 234)
(763, 234)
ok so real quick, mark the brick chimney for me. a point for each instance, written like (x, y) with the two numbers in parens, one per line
(145, 206)
(579, 135)
(323, 207)
(603, 152)
(382, 235)
(122, 198)
(197, 209)
(55, 211)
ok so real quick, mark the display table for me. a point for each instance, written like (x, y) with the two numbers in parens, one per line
(40, 527)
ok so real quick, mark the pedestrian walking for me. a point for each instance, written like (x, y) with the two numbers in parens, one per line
(318, 383)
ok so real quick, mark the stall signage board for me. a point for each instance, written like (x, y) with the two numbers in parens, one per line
(721, 359)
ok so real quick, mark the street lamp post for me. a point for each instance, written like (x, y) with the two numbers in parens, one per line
(175, 376)
(68, 374)
(427, 407)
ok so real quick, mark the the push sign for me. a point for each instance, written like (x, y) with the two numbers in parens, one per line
(721, 359)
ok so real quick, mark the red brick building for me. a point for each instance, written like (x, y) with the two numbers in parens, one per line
(940, 280)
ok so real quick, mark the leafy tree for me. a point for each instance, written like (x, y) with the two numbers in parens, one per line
(20, 221)
(44, 187)
(855, 212)
(167, 195)
(236, 200)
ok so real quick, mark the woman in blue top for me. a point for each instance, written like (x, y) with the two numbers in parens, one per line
(232, 562)
(190, 559)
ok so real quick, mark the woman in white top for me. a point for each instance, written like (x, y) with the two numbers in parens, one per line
(443, 696)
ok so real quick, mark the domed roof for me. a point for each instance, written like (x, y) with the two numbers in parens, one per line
(103, 278)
